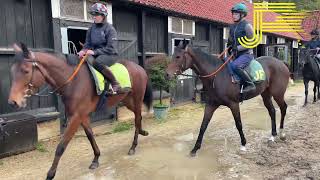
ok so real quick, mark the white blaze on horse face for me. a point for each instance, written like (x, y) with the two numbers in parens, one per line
(18, 87)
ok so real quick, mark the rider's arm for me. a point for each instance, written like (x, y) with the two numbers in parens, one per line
(87, 44)
(249, 34)
(229, 43)
(111, 45)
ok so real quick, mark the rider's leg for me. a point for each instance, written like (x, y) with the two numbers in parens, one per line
(102, 64)
(238, 66)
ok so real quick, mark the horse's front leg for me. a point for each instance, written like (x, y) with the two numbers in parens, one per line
(235, 109)
(208, 112)
(318, 90)
(306, 86)
(88, 130)
(67, 136)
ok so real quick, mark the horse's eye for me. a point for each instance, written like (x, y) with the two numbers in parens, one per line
(178, 57)
(24, 71)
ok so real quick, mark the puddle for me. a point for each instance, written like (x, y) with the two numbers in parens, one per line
(166, 159)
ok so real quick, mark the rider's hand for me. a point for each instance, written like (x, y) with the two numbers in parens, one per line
(90, 52)
(81, 53)
(230, 50)
(235, 51)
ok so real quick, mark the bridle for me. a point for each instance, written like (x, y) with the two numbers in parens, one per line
(214, 73)
(29, 92)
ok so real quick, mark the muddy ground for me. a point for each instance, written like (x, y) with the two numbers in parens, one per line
(164, 154)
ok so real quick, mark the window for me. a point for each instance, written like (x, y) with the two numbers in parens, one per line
(177, 25)
(187, 27)
(72, 9)
(77, 10)
(181, 26)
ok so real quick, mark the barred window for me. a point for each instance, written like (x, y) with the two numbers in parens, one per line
(72, 8)
(176, 25)
(187, 27)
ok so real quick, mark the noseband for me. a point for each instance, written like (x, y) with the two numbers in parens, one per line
(28, 92)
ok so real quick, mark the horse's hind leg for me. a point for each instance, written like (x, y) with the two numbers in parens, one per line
(67, 136)
(315, 91)
(272, 112)
(136, 109)
(86, 126)
(283, 108)
(306, 86)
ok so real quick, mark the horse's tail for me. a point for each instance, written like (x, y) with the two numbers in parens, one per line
(148, 96)
(287, 64)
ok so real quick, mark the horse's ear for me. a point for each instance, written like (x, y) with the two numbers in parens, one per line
(25, 50)
(180, 44)
(16, 48)
(185, 44)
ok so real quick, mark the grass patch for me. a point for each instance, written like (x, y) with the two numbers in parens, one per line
(161, 121)
(40, 147)
(122, 126)
(298, 81)
(1, 163)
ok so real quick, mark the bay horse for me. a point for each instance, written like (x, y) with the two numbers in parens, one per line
(310, 72)
(32, 69)
(220, 90)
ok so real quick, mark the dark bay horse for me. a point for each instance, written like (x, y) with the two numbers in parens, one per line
(310, 72)
(35, 68)
(221, 91)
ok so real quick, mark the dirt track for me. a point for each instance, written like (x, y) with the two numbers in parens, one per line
(164, 154)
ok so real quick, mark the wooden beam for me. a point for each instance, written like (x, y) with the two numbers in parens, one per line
(142, 40)
(209, 39)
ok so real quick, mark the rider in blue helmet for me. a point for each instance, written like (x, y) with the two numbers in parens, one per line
(242, 55)
(314, 44)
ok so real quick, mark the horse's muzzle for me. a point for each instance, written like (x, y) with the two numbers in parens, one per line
(13, 104)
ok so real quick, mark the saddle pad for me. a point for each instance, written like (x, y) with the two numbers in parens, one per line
(119, 71)
(256, 71)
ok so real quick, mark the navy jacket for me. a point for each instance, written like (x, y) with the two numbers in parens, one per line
(102, 39)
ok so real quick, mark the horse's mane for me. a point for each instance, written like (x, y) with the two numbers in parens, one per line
(210, 59)
(70, 59)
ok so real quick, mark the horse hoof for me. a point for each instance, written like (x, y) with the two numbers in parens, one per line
(243, 149)
(144, 133)
(282, 135)
(94, 165)
(131, 152)
(193, 154)
(271, 139)
(49, 177)
(304, 105)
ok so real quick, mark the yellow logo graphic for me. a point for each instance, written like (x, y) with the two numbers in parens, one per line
(288, 20)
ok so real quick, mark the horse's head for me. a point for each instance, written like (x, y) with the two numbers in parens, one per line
(304, 58)
(181, 60)
(25, 77)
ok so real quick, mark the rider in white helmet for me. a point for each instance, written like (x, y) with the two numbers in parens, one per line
(101, 44)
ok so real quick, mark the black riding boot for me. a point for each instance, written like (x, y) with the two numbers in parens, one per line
(114, 83)
(245, 77)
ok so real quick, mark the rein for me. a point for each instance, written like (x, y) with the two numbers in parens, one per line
(29, 91)
(216, 71)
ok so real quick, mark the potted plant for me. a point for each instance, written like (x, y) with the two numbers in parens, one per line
(157, 75)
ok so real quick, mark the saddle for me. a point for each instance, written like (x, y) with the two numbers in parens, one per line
(254, 69)
(119, 71)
